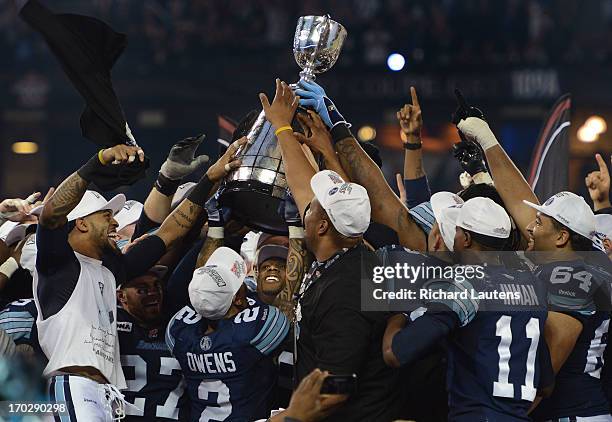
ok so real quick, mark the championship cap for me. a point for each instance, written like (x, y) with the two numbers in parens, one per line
(346, 204)
(181, 193)
(213, 286)
(91, 202)
(129, 214)
(484, 216)
(571, 210)
(441, 201)
(603, 225)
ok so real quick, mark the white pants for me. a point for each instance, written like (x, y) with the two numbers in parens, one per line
(598, 418)
(86, 400)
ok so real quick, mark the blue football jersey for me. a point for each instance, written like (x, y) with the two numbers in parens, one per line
(154, 378)
(583, 292)
(495, 355)
(230, 372)
(18, 319)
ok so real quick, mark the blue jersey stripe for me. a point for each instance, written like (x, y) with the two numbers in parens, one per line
(465, 309)
(276, 341)
(272, 311)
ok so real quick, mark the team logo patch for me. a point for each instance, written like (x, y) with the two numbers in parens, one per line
(550, 201)
(332, 191)
(153, 333)
(205, 343)
(214, 275)
(124, 326)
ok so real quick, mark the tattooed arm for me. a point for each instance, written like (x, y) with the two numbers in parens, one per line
(210, 245)
(298, 261)
(70, 192)
(387, 208)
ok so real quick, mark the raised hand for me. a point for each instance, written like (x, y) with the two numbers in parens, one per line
(280, 113)
(313, 96)
(470, 156)
(227, 162)
(121, 154)
(319, 138)
(411, 120)
(182, 160)
(17, 209)
(598, 184)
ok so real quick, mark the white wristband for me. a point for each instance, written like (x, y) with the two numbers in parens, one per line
(482, 177)
(216, 232)
(9, 267)
(296, 232)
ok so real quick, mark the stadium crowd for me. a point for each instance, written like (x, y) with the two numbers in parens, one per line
(184, 33)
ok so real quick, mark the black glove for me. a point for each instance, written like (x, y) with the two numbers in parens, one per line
(470, 157)
(182, 161)
(463, 110)
(112, 176)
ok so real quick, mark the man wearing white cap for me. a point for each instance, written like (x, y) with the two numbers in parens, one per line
(225, 346)
(78, 267)
(577, 325)
(332, 332)
(481, 228)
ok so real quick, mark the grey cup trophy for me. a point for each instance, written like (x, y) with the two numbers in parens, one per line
(256, 189)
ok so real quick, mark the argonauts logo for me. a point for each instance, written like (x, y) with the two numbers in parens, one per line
(205, 343)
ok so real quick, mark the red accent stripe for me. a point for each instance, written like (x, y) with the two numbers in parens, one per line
(562, 107)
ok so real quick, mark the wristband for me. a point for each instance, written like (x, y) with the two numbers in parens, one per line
(100, 153)
(340, 131)
(215, 232)
(165, 186)
(412, 147)
(482, 177)
(282, 129)
(9, 267)
(88, 169)
(296, 232)
(200, 192)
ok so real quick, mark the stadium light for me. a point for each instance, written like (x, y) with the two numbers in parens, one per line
(597, 124)
(25, 147)
(587, 134)
(396, 62)
(366, 133)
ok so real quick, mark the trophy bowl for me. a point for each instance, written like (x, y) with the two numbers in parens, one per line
(255, 190)
(317, 44)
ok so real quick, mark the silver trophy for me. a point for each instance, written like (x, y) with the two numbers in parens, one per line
(255, 190)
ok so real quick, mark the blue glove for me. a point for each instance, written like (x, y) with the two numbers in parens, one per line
(217, 216)
(313, 96)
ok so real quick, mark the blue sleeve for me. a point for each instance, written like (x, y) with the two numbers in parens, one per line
(17, 320)
(272, 329)
(58, 269)
(420, 335)
(417, 191)
(177, 295)
(170, 340)
(465, 309)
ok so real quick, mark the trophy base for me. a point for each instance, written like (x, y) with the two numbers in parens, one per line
(253, 204)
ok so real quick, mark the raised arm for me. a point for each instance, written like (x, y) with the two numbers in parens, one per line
(598, 183)
(70, 192)
(319, 139)
(297, 168)
(180, 163)
(183, 218)
(387, 208)
(509, 182)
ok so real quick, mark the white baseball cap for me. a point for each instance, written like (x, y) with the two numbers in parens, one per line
(346, 204)
(443, 206)
(571, 210)
(91, 202)
(129, 214)
(213, 286)
(12, 232)
(603, 225)
(181, 193)
(484, 216)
